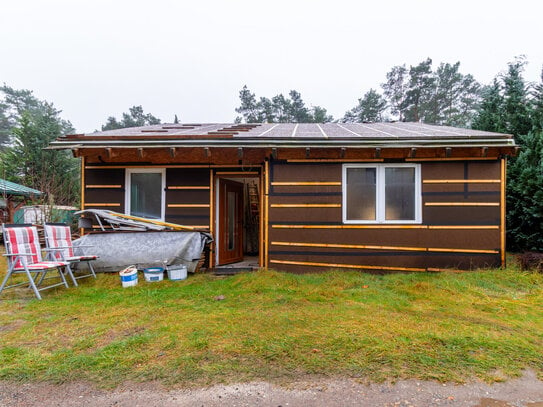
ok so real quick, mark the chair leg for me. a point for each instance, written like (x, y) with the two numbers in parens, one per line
(8, 275)
(68, 270)
(91, 268)
(33, 284)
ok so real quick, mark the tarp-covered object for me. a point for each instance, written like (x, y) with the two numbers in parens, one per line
(117, 250)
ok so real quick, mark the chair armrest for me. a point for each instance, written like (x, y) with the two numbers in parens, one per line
(52, 249)
(18, 254)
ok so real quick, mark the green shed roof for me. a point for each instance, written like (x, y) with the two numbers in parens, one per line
(11, 188)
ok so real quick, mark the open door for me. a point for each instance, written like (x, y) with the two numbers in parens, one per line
(230, 237)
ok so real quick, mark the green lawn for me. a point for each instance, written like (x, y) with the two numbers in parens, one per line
(277, 326)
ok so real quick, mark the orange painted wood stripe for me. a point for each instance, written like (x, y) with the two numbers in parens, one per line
(188, 187)
(188, 205)
(305, 205)
(341, 265)
(103, 186)
(461, 181)
(462, 204)
(376, 247)
(101, 204)
(308, 183)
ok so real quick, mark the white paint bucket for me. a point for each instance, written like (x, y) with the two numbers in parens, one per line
(153, 274)
(177, 272)
(129, 276)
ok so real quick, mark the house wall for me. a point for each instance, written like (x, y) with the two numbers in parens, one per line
(462, 215)
(461, 221)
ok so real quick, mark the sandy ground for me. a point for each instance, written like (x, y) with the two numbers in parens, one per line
(526, 391)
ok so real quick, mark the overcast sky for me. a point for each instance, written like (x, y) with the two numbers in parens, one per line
(94, 59)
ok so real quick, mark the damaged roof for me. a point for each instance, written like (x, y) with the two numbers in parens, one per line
(351, 134)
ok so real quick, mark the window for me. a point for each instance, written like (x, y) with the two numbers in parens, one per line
(381, 193)
(145, 193)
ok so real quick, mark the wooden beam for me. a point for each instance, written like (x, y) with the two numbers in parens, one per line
(321, 205)
(188, 205)
(503, 167)
(307, 183)
(461, 181)
(462, 204)
(342, 265)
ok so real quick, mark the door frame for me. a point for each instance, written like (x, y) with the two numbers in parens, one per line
(257, 175)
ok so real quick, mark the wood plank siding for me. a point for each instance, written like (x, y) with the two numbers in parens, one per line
(306, 231)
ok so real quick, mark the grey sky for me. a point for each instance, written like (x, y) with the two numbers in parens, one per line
(97, 58)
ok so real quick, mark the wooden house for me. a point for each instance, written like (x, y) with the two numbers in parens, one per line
(309, 197)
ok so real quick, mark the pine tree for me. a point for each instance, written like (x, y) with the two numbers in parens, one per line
(370, 108)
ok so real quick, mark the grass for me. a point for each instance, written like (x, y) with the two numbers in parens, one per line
(277, 326)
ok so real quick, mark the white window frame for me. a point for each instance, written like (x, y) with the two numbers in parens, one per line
(127, 183)
(380, 194)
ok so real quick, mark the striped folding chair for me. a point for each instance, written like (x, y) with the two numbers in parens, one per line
(58, 239)
(24, 257)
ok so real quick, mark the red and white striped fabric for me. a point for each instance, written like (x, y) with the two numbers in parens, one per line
(59, 236)
(23, 240)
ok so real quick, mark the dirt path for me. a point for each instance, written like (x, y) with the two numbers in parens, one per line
(526, 391)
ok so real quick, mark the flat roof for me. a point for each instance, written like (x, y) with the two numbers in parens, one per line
(295, 134)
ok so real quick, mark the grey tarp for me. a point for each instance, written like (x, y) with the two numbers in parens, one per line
(116, 250)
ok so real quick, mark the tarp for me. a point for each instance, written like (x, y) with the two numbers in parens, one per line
(117, 250)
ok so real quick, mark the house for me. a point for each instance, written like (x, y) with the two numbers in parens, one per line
(308, 197)
(12, 197)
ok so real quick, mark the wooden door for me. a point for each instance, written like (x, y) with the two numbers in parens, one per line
(230, 237)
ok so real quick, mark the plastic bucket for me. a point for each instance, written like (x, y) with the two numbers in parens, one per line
(177, 272)
(129, 276)
(153, 274)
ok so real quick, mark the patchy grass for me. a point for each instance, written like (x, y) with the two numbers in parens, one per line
(277, 326)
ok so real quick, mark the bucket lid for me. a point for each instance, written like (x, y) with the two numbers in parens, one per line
(154, 270)
(128, 270)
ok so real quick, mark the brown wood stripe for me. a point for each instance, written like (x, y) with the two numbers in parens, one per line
(317, 183)
(188, 187)
(188, 205)
(237, 173)
(102, 204)
(337, 160)
(461, 181)
(452, 227)
(462, 204)
(503, 164)
(341, 265)
(453, 159)
(375, 247)
(103, 186)
(349, 246)
(305, 205)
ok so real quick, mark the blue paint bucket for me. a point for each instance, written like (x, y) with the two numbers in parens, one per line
(129, 276)
(153, 274)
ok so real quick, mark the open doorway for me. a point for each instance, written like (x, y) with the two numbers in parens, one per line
(237, 222)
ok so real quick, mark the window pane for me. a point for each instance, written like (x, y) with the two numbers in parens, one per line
(146, 195)
(361, 193)
(399, 193)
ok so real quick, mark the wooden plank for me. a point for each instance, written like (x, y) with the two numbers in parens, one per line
(187, 187)
(318, 183)
(212, 218)
(467, 227)
(266, 213)
(82, 169)
(502, 210)
(305, 205)
(237, 173)
(103, 186)
(336, 160)
(102, 204)
(350, 246)
(461, 181)
(188, 205)
(380, 226)
(99, 167)
(342, 265)
(453, 159)
(462, 204)
(376, 247)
